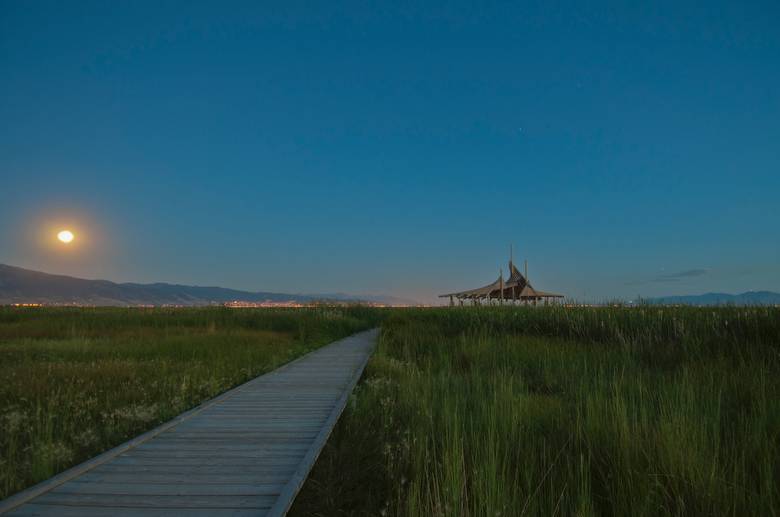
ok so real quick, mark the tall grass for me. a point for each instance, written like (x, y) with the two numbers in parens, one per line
(552, 411)
(74, 382)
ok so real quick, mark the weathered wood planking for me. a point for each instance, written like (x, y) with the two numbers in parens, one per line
(244, 453)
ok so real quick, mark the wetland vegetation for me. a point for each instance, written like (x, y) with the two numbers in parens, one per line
(493, 411)
(77, 381)
(465, 411)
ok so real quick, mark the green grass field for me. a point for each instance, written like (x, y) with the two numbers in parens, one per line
(463, 411)
(75, 382)
(550, 411)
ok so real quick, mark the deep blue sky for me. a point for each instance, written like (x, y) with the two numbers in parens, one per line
(374, 149)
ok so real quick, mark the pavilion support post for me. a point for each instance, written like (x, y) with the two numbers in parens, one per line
(501, 287)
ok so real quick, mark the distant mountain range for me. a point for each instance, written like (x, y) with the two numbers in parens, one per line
(18, 285)
(747, 298)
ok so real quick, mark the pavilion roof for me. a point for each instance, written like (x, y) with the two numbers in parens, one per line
(516, 278)
(516, 281)
(480, 291)
(530, 292)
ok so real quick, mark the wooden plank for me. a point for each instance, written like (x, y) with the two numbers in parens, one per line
(267, 444)
(221, 452)
(45, 510)
(250, 449)
(248, 470)
(210, 461)
(260, 435)
(237, 436)
(158, 501)
(117, 488)
(236, 424)
(228, 478)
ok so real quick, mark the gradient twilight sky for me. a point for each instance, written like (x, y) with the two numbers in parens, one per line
(623, 149)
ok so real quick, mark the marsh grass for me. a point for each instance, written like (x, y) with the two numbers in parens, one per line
(75, 382)
(515, 411)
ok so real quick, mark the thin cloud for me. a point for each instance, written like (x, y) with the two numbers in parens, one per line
(672, 277)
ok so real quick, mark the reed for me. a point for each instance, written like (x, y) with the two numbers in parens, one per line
(561, 411)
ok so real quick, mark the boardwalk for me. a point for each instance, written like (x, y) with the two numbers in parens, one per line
(244, 453)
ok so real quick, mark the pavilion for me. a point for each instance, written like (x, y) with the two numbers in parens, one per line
(515, 289)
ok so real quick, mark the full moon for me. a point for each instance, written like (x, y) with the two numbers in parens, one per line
(65, 236)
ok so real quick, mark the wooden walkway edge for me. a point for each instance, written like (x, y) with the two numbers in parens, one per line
(245, 452)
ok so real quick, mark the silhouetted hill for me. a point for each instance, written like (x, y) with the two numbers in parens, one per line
(747, 298)
(18, 285)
